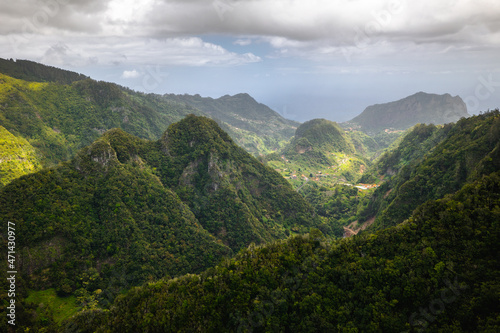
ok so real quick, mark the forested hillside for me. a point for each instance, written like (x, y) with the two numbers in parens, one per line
(57, 120)
(322, 135)
(59, 112)
(146, 210)
(17, 157)
(252, 125)
(137, 213)
(32, 71)
(430, 162)
(233, 195)
(425, 163)
(323, 153)
(438, 272)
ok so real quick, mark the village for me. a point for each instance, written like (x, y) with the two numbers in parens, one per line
(331, 176)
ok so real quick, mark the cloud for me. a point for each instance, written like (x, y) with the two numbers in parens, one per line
(329, 21)
(61, 54)
(243, 42)
(135, 51)
(162, 31)
(52, 16)
(320, 19)
(130, 74)
(333, 30)
(193, 51)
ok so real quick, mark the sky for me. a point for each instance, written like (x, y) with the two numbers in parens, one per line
(305, 59)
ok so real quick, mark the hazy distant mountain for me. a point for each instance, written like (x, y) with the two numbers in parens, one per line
(415, 109)
(252, 125)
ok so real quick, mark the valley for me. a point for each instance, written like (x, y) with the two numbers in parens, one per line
(178, 213)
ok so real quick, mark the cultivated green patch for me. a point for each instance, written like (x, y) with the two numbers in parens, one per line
(49, 303)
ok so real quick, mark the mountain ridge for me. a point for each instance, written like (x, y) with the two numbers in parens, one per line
(138, 230)
(418, 108)
(241, 115)
(32, 71)
(430, 162)
(149, 209)
(58, 112)
(390, 281)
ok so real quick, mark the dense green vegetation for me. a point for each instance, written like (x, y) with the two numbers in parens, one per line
(337, 204)
(17, 157)
(134, 229)
(323, 153)
(51, 305)
(99, 224)
(320, 135)
(99, 213)
(252, 125)
(59, 112)
(431, 162)
(439, 271)
(320, 144)
(324, 162)
(427, 162)
(372, 146)
(225, 186)
(31, 71)
(126, 210)
(58, 120)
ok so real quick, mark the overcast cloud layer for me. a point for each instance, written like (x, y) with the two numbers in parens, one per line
(306, 59)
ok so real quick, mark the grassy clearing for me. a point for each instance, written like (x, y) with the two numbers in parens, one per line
(61, 307)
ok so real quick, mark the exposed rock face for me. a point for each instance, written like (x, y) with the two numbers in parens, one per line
(98, 156)
(188, 173)
(103, 157)
(418, 108)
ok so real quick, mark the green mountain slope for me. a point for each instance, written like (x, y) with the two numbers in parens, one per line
(143, 210)
(99, 215)
(437, 272)
(17, 157)
(322, 134)
(234, 196)
(322, 151)
(415, 109)
(431, 162)
(32, 71)
(253, 125)
(59, 112)
(57, 119)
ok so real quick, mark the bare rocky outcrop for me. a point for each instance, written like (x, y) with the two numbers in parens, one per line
(98, 156)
